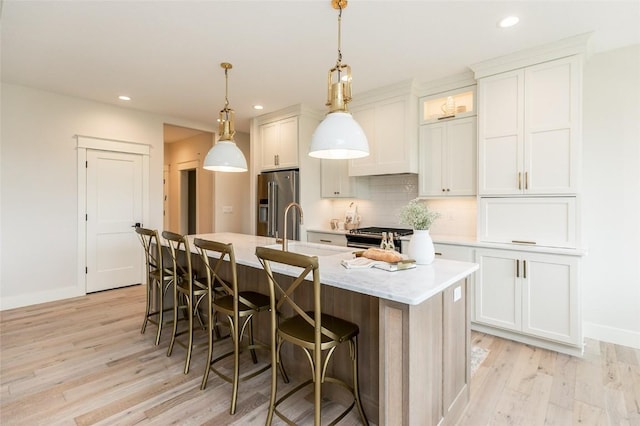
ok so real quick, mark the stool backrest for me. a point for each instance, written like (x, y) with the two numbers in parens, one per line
(223, 254)
(176, 244)
(152, 249)
(283, 294)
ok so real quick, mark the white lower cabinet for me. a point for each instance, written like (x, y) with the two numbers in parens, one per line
(327, 238)
(454, 252)
(532, 294)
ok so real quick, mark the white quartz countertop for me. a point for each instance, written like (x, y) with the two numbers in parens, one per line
(411, 286)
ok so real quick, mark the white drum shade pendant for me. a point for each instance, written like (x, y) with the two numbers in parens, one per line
(339, 136)
(225, 156)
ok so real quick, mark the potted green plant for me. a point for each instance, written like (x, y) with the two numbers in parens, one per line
(417, 215)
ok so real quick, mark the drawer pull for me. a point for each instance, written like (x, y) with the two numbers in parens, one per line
(438, 254)
(325, 241)
(523, 242)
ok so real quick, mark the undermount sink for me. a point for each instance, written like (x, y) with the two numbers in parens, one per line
(311, 249)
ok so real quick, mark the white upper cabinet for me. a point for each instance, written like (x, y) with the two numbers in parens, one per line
(448, 158)
(452, 104)
(529, 130)
(336, 182)
(279, 142)
(541, 221)
(390, 124)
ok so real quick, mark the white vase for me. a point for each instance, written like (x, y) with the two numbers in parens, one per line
(421, 247)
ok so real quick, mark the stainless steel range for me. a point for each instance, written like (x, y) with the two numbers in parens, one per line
(372, 236)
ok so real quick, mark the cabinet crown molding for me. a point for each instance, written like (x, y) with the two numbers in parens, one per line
(577, 45)
(443, 85)
(405, 87)
(291, 111)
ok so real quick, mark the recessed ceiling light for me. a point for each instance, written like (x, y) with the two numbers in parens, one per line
(124, 98)
(258, 107)
(509, 21)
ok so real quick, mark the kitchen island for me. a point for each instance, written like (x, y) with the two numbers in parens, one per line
(414, 329)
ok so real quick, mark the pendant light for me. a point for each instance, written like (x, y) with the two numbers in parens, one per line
(339, 136)
(225, 156)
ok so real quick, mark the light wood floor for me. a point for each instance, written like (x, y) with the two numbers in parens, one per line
(83, 361)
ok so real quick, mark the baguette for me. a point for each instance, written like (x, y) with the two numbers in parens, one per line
(384, 255)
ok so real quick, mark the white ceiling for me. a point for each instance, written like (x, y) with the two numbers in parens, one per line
(166, 54)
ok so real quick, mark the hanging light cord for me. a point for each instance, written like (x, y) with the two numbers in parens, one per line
(339, 36)
(226, 88)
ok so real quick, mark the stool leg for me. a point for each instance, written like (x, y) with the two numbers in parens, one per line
(317, 386)
(236, 361)
(187, 362)
(207, 366)
(285, 378)
(148, 307)
(158, 288)
(254, 357)
(356, 382)
(176, 303)
(275, 355)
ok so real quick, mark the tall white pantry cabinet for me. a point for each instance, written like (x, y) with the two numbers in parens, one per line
(529, 139)
(529, 130)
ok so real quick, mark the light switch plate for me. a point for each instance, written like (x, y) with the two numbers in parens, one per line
(227, 209)
(457, 293)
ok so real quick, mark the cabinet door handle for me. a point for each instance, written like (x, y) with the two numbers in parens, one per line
(524, 269)
(517, 268)
(526, 180)
(519, 180)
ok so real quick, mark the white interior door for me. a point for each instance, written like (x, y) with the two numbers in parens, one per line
(114, 206)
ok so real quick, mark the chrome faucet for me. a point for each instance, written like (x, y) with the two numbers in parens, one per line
(285, 244)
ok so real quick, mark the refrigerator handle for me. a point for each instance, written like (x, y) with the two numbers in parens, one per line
(272, 195)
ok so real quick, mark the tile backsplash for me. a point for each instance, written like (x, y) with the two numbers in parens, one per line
(389, 193)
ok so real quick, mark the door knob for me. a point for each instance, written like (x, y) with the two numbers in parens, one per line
(136, 225)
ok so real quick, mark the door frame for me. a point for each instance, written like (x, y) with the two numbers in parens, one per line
(180, 167)
(85, 143)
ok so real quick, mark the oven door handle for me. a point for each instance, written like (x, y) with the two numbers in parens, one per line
(361, 245)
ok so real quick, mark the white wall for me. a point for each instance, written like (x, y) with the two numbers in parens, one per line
(231, 191)
(611, 201)
(38, 228)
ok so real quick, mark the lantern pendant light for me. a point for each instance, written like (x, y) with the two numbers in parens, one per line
(225, 156)
(339, 136)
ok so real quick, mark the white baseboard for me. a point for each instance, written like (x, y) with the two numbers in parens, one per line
(575, 350)
(29, 299)
(614, 335)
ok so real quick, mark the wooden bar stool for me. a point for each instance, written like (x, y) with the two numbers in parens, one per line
(188, 294)
(158, 279)
(311, 330)
(238, 307)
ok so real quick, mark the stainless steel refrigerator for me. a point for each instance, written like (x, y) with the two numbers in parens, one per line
(275, 191)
